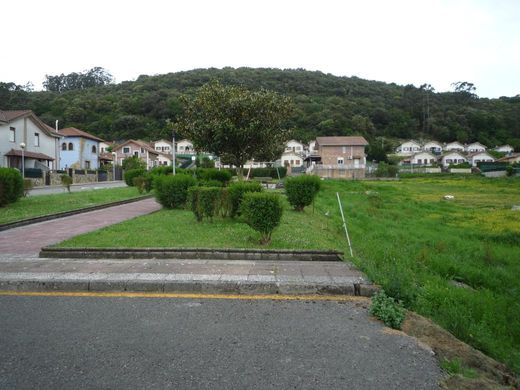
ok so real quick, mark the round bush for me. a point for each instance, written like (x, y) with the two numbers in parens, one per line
(133, 173)
(236, 193)
(210, 174)
(172, 191)
(11, 186)
(263, 212)
(301, 190)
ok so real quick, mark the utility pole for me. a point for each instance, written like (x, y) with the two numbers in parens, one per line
(173, 152)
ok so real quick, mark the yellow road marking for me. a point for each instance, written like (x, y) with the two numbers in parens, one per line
(278, 297)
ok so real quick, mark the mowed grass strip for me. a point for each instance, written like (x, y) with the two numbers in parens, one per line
(37, 206)
(456, 262)
(178, 228)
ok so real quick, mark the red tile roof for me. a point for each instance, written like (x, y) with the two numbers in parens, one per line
(342, 141)
(73, 132)
(37, 156)
(8, 116)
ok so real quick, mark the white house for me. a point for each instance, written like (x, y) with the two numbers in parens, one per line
(138, 149)
(163, 146)
(408, 148)
(294, 146)
(312, 147)
(164, 159)
(294, 159)
(104, 145)
(504, 149)
(454, 146)
(185, 147)
(475, 147)
(433, 147)
(41, 141)
(423, 158)
(477, 157)
(452, 158)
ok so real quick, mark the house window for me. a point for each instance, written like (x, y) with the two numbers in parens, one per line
(71, 146)
(12, 134)
(87, 164)
(142, 150)
(94, 149)
(64, 146)
(344, 149)
(157, 148)
(126, 150)
(341, 161)
(136, 153)
(36, 139)
(297, 162)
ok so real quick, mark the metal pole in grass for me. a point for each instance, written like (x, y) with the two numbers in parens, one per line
(344, 224)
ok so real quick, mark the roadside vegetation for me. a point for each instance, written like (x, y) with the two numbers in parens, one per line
(36, 206)
(454, 261)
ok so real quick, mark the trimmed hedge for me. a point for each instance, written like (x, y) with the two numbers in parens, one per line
(143, 183)
(205, 201)
(172, 191)
(301, 190)
(236, 192)
(210, 174)
(11, 186)
(131, 174)
(263, 212)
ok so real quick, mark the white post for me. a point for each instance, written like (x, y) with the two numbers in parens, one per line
(344, 224)
(173, 152)
(22, 146)
(114, 162)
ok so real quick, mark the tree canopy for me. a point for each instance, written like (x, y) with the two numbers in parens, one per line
(324, 105)
(236, 124)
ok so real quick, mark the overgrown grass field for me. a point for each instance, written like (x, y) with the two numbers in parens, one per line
(36, 206)
(457, 261)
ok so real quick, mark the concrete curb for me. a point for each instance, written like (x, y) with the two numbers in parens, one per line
(175, 283)
(190, 253)
(49, 217)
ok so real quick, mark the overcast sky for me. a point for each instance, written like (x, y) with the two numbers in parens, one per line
(406, 42)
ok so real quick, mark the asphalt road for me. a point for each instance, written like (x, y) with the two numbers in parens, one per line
(138, 343)
(75, 188)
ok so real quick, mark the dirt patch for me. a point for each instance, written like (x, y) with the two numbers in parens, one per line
(491, 374)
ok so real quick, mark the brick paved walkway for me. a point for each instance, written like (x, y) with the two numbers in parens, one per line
(28, 240)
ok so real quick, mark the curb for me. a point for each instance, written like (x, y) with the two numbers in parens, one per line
(49, 217)
(169, 283)
(190, 254)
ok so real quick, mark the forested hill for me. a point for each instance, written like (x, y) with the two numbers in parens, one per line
(325, 105)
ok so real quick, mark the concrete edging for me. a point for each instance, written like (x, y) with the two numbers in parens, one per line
(49, 217)
(190, 253)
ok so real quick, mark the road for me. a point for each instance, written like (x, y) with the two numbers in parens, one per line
(136, 343)
(75, 188)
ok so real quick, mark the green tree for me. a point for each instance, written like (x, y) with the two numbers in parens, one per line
(236, 124)
(133, 162)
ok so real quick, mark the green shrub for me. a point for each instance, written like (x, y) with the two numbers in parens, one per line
(11, 186)
(387, 310)
(301, 190)
(162, 170)
(386, 170)
(205, 201)
(131, 173)
(66, 181)
(172, 191)
(208, 174)
(263, 212)
(133, 162)
(143, 183)
(236, 193)
(210, 183)
(461, 165)
(193, 202)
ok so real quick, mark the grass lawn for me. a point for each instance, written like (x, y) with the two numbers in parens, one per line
(456, 262)
(35, 206)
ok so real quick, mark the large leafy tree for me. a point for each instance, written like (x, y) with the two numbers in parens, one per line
(236, 124)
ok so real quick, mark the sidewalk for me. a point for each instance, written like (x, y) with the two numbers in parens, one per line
(183, 276)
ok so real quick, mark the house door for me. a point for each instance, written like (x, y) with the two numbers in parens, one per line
(15, 162)
(356, 163)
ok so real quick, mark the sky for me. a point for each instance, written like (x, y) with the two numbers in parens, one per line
(402, 41)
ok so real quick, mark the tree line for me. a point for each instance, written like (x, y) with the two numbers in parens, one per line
(324, 104)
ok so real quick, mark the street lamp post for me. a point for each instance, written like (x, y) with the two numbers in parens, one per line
(22, 146)
(173, 152)
(114, 160)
